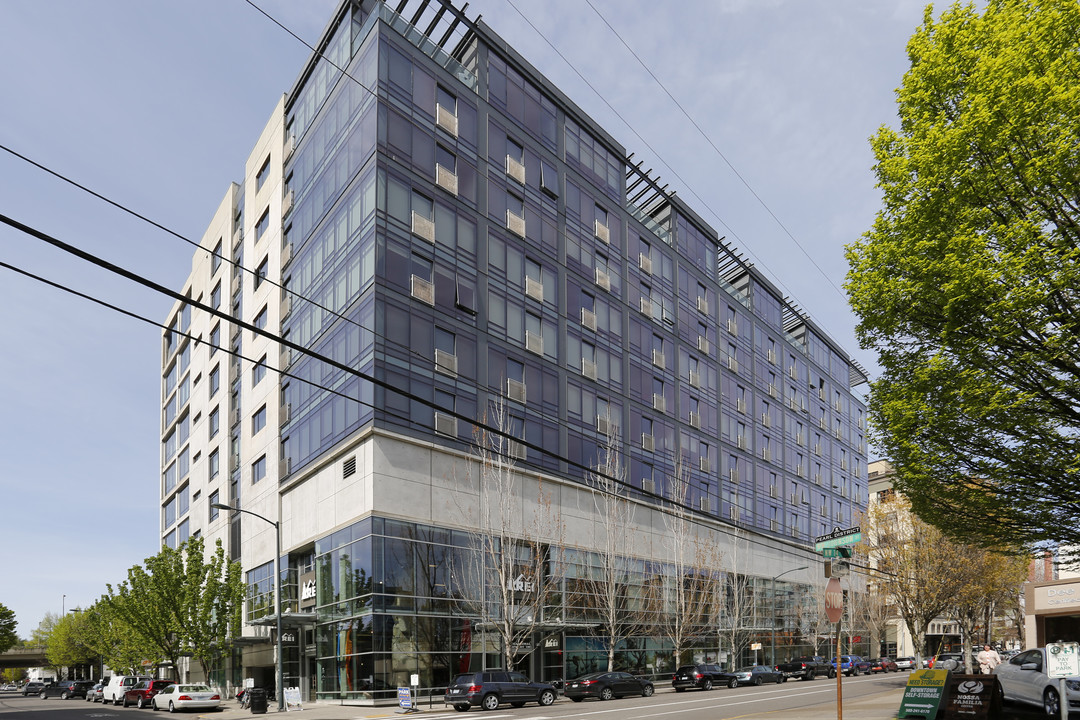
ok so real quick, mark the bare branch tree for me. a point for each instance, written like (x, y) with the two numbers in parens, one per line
(739, 614)
(611, 583)
(514, 567)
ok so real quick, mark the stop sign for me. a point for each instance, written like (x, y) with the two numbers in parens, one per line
(834, 600)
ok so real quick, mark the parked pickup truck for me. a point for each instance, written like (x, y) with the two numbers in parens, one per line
(807, 667)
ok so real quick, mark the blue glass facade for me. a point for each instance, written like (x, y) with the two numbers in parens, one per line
(457, 229)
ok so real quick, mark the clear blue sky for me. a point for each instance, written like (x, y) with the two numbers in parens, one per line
(157, 104)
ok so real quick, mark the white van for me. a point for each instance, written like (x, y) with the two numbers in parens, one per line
(120, 684)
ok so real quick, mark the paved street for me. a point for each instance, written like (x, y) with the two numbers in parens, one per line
(865, 698)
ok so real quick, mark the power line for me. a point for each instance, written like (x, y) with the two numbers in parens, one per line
(674, 172)
(661, 503)
(723, 157)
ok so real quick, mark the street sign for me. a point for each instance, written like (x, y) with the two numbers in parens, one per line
(1063, 659)
(834, 600)
(838, 538)
(830, 552)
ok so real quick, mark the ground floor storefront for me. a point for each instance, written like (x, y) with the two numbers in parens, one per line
(1052, 612)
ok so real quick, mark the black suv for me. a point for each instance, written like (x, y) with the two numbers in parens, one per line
(66, 689)
(491, 687)
(696, 676)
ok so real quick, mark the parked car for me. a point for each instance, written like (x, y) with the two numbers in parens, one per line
(114, 691)
(94, 693)
(140, 695)
(882, 665)
(66, 689)
(1024, 679)
(948, 661)
(185, 697)
(10, 687)
(696, 676)
(32, 688)
(490, 688)
(807, 667)
(607, 685)
(752, 675)
(853, 665)
(905, 663)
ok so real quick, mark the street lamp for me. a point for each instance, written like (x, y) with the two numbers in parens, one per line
(277, 595)
(773, 593)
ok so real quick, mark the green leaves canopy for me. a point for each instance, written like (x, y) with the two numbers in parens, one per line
(181, 602)
(967, 284)
(8, 638)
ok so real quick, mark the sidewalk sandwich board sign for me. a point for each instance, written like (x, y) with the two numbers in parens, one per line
(923, 694)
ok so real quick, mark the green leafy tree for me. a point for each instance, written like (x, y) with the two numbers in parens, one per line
(8, 638)
(181, 602)
(119, 646)
(40, 636)
(968, 283)
(70, 641)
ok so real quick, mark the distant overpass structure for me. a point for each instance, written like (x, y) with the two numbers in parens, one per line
(20, 657)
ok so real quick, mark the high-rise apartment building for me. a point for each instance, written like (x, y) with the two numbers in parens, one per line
(436, 232)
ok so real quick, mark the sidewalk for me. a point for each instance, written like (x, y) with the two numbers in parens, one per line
(879, 706)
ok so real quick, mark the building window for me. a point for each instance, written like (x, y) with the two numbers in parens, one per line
(214, 500)
(549, 178)
(261, 176)
(215, 380)
(215, 338)
(215, 297)
(260, 319)
(261, 272)
(215, 422)
(258, 420)
(259, 371)
(214, 464)
(263, 225)
(258, 469)
(215, 259)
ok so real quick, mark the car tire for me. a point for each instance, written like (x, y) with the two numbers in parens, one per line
(460, 707)
(546, 698)
(607, 694)
(64, 695)
(647, 691)
(808, 676)
(43, 695)
(757, 680)
(125, 704)
(832, 674)
(172, 708)
(490, 701)
(1051, 703)
(707, 685)
(140, 703)
(733, 683)
(153, 705)
(779, 679)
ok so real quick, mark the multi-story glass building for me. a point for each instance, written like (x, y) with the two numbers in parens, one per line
(433, 230)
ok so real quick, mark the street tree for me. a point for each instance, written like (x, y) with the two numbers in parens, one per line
(611, 583)
(988, 579)
(120, 647)
(513, 570)
(181, 602)
(968, 283)
(40, 635)
(738, 608)
(8, 638)
(917, 567)
(71, 642)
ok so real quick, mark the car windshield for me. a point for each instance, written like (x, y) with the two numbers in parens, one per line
(194, 688)
(749, 668)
